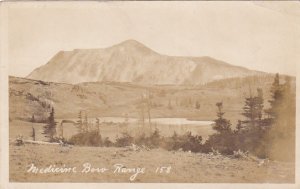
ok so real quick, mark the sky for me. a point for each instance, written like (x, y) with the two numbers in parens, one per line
(262, 36)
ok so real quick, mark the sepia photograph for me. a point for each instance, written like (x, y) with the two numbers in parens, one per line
(150, 92)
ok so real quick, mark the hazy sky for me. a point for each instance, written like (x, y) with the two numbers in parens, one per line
(258, 35)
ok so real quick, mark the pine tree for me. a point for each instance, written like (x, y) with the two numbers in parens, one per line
(222, 141)
(276, 101)
(221, 125)
(50, 127)
(252, 111)
(288, 110)
(283, 116)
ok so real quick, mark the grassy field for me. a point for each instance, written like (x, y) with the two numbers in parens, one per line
(185, 167)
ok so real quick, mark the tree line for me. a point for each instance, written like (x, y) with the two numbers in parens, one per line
(266, 132)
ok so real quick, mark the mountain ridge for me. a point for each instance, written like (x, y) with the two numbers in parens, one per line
(131, 61)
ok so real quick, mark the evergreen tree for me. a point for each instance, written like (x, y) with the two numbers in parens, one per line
(50, 127)
(251, 131)
(223, 141)
(239, 126)
(276, 101)
(221, 125)
(259, 105)
(283, 116)
(252, 111)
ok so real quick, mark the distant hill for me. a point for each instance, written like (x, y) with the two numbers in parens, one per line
(28, 97)
(131, 61)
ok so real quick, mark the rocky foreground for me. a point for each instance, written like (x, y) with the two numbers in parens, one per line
(54, 163)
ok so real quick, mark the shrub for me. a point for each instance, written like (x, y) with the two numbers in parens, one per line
(124, 140)
(254, 141)
(191, 143)
(152, 141)
(186, 142)
(107, 142)
(224, 142)
(91, 138)
(172, 143)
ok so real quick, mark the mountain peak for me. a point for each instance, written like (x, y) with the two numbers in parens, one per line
(131, 42)
(132, 46)
(131, 61)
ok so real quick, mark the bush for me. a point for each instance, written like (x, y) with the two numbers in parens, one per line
(152, 141)
(254, 141)
(191, 143)
(124, 140)
(107, 142)
(224, 142)
(91, 138)
(186, 142)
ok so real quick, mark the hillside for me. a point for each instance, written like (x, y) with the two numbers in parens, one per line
(131, 61)
(28, 97)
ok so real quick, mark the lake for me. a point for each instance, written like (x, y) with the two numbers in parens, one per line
(114, 126)
(163, 121)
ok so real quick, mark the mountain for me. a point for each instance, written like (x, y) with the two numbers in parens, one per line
(131, 61)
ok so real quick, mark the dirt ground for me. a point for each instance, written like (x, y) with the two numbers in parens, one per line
(180, 167)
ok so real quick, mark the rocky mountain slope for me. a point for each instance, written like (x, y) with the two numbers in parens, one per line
(131, 61)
